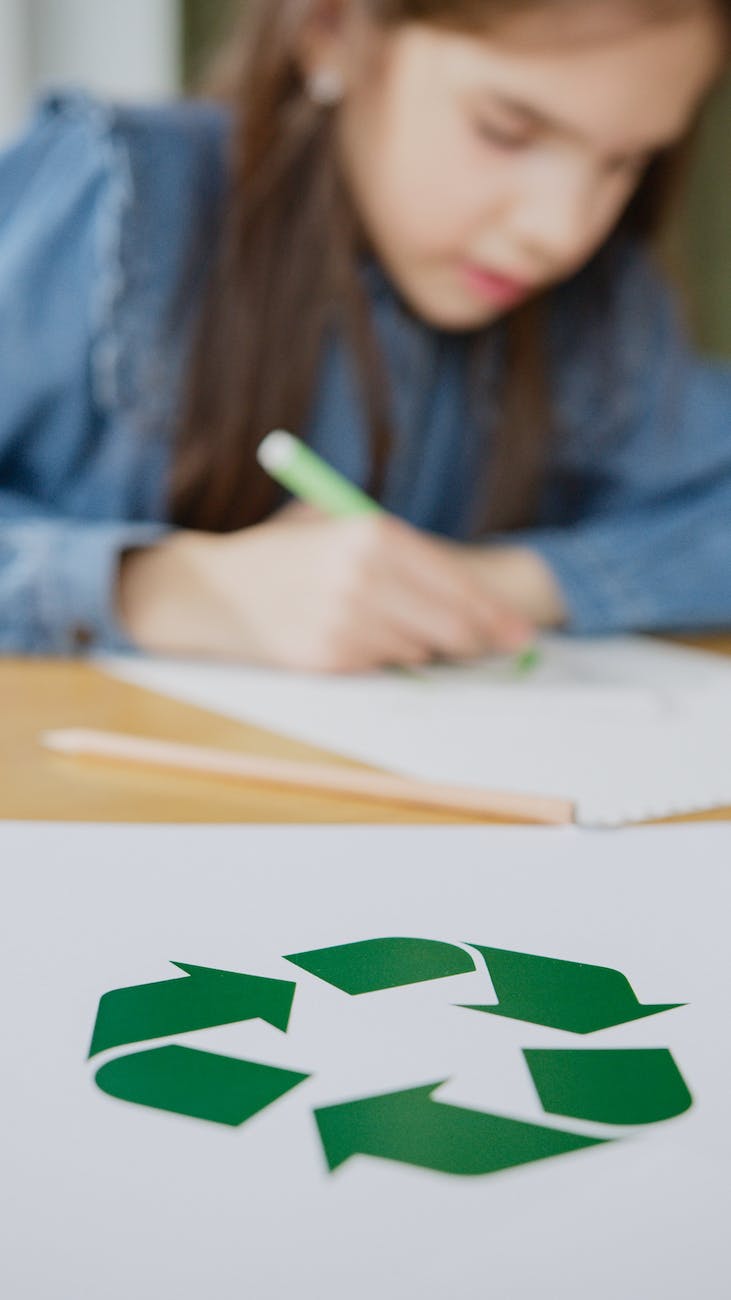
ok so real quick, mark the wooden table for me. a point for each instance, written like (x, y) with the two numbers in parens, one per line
(39, 695)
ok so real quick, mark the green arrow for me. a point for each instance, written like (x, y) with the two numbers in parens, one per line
(562, 994)
(199, 1084)
(413, 1129)
(634, 1086)
(377, 964)
(205, 999)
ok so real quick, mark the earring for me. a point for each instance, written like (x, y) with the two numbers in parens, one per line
(326, 87)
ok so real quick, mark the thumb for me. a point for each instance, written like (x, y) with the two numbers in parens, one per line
(298, 512)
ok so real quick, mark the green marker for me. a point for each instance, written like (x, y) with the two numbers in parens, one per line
(528, 661)
(306, 476)
(309, 478)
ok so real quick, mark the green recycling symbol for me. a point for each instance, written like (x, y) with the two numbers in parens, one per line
(608, 1086)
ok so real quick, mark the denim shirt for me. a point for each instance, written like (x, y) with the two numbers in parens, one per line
(108, 217)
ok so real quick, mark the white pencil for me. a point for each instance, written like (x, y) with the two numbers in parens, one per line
(359, 784)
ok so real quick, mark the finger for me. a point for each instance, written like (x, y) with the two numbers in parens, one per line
(424, 629)
(297, 512)
(448, 602)
(433, 628)
(362, 640)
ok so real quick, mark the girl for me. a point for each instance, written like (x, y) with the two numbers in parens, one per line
(413, 231)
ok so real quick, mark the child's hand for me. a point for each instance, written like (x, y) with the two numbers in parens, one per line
(305, 592)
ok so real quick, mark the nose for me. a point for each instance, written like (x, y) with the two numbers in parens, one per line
(556, 219)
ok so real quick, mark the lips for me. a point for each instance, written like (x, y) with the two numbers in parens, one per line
(502, 290)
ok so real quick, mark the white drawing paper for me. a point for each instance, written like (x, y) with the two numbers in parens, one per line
(628, 728)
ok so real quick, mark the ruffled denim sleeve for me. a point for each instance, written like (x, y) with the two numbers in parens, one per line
(644, 470)
(62, 194)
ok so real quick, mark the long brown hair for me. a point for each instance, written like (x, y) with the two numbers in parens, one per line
(287, 270)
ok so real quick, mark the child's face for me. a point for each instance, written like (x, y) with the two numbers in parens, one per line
(487, 168)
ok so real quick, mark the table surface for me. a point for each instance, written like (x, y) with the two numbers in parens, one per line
(36, 785)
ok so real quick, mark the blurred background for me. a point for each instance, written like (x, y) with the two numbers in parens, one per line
(154, 49)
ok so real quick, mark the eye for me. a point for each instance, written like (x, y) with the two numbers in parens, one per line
(500, 137)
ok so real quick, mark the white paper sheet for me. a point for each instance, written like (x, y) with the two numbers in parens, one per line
(628, 728)
(104, 1199)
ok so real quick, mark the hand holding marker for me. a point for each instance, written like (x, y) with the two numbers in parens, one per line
(309, 478)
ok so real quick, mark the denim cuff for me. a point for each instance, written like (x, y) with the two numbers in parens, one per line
(77, 567)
